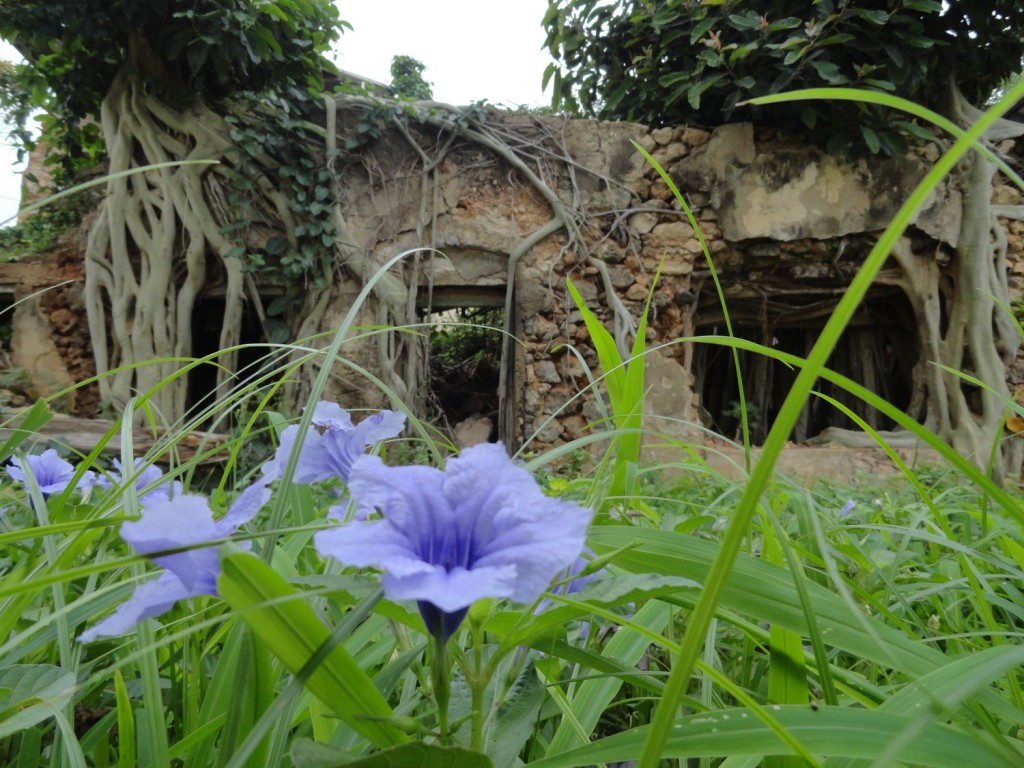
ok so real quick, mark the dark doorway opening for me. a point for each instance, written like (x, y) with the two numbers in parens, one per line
(6, 319)
(11, 378)
(465, 360)
(207, 317)
(878, 350)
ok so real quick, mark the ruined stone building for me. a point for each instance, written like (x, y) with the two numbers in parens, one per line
(786, 227)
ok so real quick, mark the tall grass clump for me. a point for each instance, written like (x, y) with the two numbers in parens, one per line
(324, 602)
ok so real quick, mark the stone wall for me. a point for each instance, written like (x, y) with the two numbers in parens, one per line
(786, 225)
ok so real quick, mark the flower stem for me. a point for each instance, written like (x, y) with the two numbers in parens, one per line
(478, 686)
(440, 677)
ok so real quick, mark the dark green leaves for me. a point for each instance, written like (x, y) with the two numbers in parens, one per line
(677, 63)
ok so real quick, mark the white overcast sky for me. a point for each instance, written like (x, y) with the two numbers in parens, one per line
(472, 49)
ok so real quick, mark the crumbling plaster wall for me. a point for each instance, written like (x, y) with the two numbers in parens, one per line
(49, 334)
(775, 215)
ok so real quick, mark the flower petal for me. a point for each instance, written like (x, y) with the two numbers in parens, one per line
(542, 539)
(371, 543)
(451, 590)
(331, 415)
(482, 528)
(380, 426)
(51, 472)
(411, 499)
(344, 447)
(150, 600)
(171, 524)
(148, 476)
(274, 468)
(522, 527)
(244, 508)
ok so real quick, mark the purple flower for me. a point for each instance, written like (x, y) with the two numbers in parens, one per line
(147, 477)
(330, 450)
(481, 528)
(50, 471)
(183, 523)
(847, 508)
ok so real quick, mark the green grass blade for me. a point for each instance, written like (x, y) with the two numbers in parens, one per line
(938, 694)
(765, 592)
(681, 199)
(32, 420)
(593, 696)
(824, 670)
(611, 361)
(309, 754)
(126, 748)
(992, 491)
(625, 383)
(787, 673)
(827, 731)
(279, 617)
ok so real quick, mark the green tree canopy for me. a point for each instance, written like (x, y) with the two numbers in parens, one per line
(209, 50)
(407, 79)
(664, 62)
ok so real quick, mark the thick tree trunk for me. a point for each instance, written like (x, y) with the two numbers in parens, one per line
(963, 327)
(146, 258)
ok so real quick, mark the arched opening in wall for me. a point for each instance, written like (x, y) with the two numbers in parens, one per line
(878, 350)
(206, 322)
(464, 362)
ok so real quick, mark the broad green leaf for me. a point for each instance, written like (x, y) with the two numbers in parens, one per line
(877, 17)
(787, 673)
(826, 731)
(627, 588)
(748, 20)
(787, 676)
(607, 352)
(915, 130)
(515, 719)
(33, 693)
(944, 690)
(280, 617)
(829, 72)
